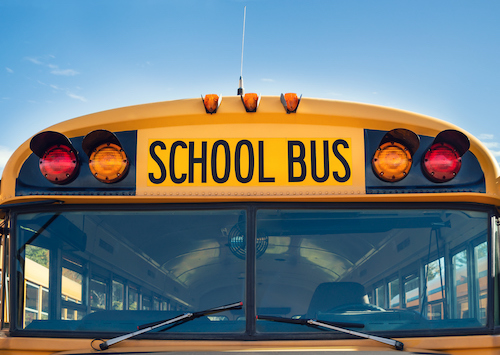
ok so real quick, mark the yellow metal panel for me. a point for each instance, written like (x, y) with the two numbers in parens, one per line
(269, 146)
(478, 344)
(315, 118)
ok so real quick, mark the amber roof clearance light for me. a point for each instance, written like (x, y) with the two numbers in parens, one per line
(290, 102)
(251, 102)
(212, 103)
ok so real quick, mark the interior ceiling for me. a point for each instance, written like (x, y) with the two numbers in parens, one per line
(193, 246)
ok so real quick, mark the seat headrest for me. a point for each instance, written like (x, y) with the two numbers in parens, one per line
(329, 295)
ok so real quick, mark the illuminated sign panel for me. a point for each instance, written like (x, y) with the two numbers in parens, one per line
(250, 162)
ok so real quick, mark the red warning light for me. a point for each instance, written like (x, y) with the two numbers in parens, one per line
(59, 164)
(442, 162)
(443, 159)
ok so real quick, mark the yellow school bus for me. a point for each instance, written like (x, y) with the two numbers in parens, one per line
(250, 224)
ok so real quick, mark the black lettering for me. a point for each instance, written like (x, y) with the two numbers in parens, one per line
(299, 159)
(237, 161)
(156, 158)
(202, 160)
(227, 166)
(261, 165)
(174, 179)
(342, 160)
(326, 162)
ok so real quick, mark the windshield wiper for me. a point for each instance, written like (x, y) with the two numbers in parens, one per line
(305, 321)
(184, 317)
(338, 326)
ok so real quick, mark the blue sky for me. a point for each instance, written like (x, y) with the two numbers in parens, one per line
(63, 59)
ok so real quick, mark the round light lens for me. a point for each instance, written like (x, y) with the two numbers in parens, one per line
(441, 162)
(59, 164)
(108, 163)
(391, 162)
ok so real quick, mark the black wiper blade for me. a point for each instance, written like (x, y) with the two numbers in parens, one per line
(184, 317)
(305, 322)
(338, 326)
(193, 315)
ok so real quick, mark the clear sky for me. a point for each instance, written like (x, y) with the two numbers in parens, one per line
(61, 59)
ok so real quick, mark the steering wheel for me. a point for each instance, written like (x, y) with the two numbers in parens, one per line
(355, 307)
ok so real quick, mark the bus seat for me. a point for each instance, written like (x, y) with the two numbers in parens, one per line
(329, 295)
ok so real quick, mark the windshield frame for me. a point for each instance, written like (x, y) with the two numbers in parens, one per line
(249, 303)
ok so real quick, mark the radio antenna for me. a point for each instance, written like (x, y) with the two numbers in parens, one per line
(241, 90)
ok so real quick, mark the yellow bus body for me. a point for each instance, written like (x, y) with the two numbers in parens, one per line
(187, 120)
(315, 119)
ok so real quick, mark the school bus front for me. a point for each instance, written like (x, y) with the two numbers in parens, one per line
(178, 226)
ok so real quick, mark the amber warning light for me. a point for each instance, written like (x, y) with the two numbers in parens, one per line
(393, 158)
(108, 162)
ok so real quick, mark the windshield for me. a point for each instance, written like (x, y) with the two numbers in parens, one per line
(378, 269)
(114, 271)
(385, 269)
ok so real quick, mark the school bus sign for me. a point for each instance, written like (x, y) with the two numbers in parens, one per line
(249, 162)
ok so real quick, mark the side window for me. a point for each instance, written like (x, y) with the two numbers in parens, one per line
(412, 292)
(380, 296)
(435, 289)
(393, 287)
(37, 263)
(156, 304)
(369, 296)
(98, 293)
(481, 278)
(133, 298)
(72, 290)
(118, 295)
(146, 303)
(460, 266)
(45, 304)
(32, 307)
